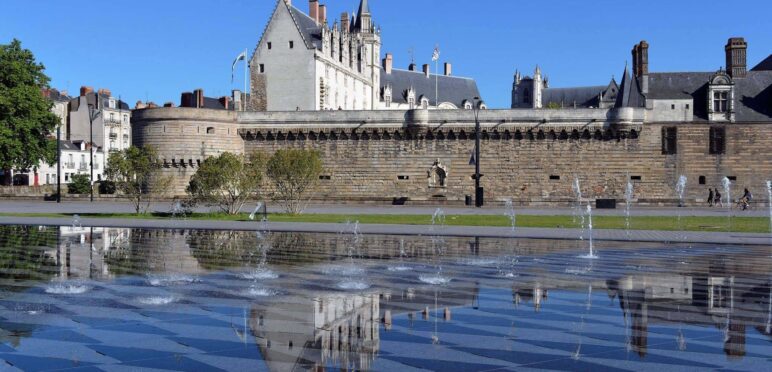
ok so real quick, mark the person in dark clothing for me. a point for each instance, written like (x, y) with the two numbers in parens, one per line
(710, 197)
(717, 199)
(745, 201)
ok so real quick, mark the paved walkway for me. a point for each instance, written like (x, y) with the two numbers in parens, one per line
(490, 232)
(82, 207)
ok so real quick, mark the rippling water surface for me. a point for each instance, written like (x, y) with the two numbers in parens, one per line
(203, 300)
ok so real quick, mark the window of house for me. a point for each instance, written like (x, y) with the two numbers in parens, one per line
(126, 119)
(424, 103)
(672, 107)
(269, 45)
(669, 140)
(701, 180)
(411, 102)
(291, 44)
(261, 68)
(717, 139)
(687, 106)
(387, 99)
(720, 101)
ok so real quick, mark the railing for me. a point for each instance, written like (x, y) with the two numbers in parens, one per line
(113, 135)
(83, 166)
(70, 165)
(113, 121)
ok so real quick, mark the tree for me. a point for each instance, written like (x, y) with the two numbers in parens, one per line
(228, 181)
(137, 175)
(79, 184)
(26, 120)
(553, 106)
(294, 172)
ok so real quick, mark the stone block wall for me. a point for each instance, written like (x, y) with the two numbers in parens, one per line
(373, 156)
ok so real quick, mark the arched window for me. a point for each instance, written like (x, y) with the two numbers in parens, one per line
(424, 103)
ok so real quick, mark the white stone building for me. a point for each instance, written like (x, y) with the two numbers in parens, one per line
(75, 160)
(303, 63)
(111, 129)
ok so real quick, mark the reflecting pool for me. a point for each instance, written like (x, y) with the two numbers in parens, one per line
(126, 299)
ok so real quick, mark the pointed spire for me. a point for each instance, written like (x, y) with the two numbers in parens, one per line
(537, 72)
(364, 8)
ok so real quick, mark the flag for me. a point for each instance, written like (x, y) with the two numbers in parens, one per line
(436, 54)
(241, 57)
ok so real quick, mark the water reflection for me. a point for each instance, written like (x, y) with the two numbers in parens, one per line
(697, 301)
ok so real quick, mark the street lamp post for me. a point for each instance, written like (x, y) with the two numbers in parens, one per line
(58, 163)
(478, 191)
(93, 113)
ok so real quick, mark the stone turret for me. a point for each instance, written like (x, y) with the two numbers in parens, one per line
(538, 85)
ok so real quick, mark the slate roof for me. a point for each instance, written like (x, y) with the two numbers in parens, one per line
(75, 145)
(309, 29)
(629, 92)
(91, 99)
(451, 88)
(753, 93)
(765, 65)
(567, 97)
(214, 103)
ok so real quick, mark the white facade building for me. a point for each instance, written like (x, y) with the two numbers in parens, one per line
(111, 128)
(303, 63)
(75, 160)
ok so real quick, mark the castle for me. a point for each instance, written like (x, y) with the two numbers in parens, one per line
(303, 63)
(648, 129)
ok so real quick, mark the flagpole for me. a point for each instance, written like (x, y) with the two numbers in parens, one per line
(245, 76)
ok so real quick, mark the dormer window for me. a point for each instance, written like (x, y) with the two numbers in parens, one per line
(387, 96)
(720, 101)
(111, 104)
(720, 97)
(424, 103)
(411, 98)
(467, 105)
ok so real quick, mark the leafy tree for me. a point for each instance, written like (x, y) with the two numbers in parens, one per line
(79, 184)
(137, 174)
(228, 181)
(26, 120)
(553, 106)
(295, 173)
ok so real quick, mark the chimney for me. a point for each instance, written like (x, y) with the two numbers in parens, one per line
(736, 49)
(426, 69)
(289, 2)
(313, 10)
(388, 63)
(198, 95)
(84, 90)
(323, 14)
(105, 92)
(186, 99)
(641, 59)
(411, 67)
(344, 26)
(169, 104)
(139, 105)
(236, 97)
(448, 69)
(224, 101)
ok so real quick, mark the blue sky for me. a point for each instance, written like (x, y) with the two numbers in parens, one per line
(151, 49)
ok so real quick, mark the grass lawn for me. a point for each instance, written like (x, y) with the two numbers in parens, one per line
(668, 223)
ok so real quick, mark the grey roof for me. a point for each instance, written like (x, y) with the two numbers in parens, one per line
(214, 103)
(309, 29)
(753, 93)
(629, 92)
(75, 145)
(91, 99)
(451, 88)
(55, 95)
(765, 65)
(567, 97)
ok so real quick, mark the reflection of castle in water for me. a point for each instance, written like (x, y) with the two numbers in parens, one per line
(724, 295)
(339, 330)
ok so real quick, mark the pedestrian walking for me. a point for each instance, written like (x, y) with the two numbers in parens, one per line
(710, 197)
(717, 199)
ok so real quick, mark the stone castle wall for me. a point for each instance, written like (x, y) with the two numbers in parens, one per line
(531, 156)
